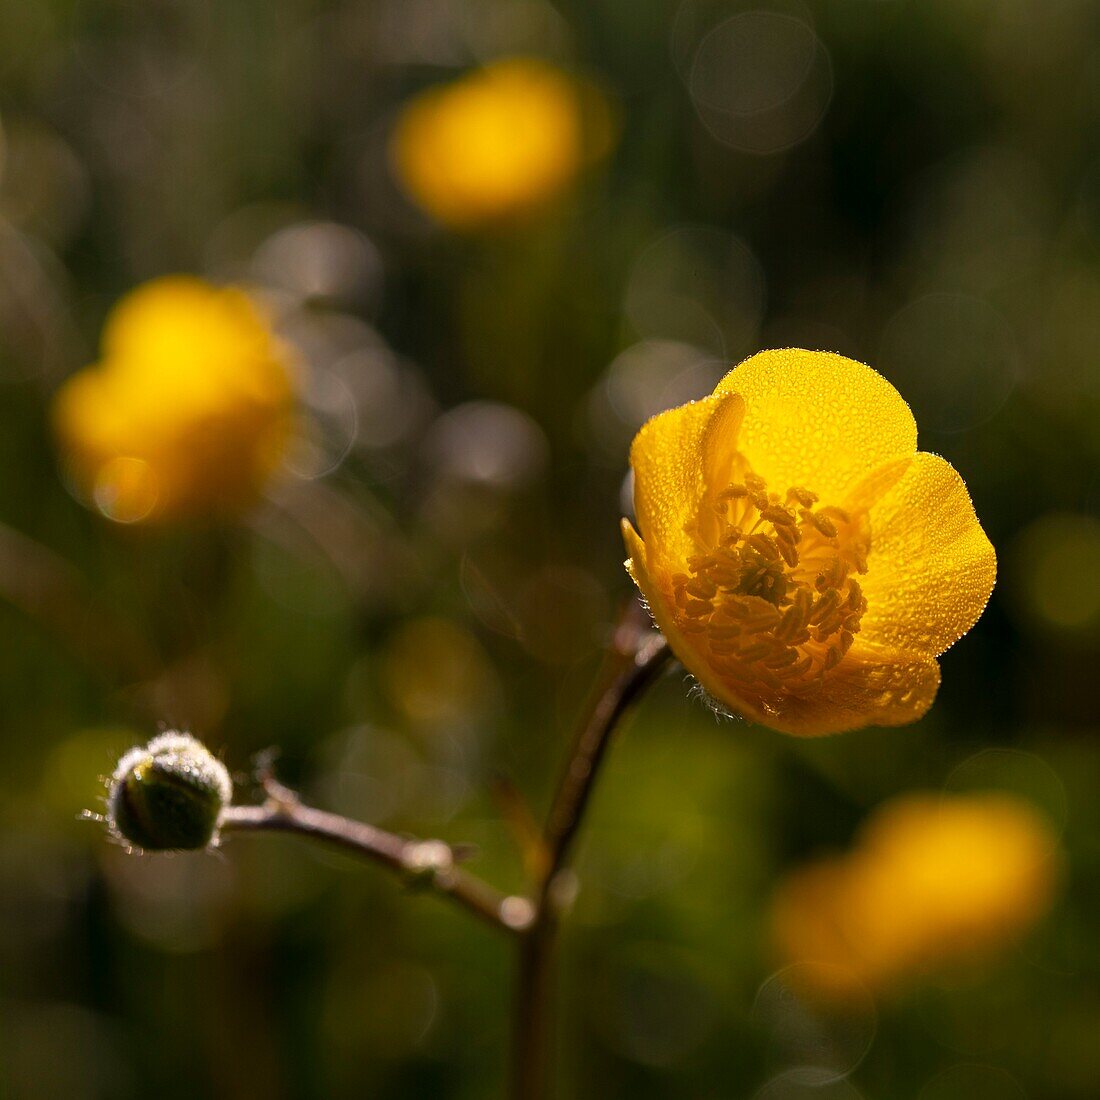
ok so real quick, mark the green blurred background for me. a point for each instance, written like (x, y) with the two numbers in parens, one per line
(418, 609)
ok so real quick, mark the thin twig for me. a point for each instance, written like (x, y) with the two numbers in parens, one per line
(645, 655)
(430, 863)
(636, 658)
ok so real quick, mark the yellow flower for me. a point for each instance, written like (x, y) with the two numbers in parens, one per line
(498, 142)
(188, 411)
(805, 562)
(931, 882)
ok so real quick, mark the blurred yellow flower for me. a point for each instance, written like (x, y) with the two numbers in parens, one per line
(805, 562)
(188, 411)
(498, 142)
(931, 882)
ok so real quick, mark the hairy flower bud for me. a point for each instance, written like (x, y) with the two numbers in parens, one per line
(168, 795)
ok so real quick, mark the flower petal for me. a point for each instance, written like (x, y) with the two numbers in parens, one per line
(652, 583)
(651, 579)
(931, 567)
(818, 420)
(869, 687)
(720, 442)
(667, 457)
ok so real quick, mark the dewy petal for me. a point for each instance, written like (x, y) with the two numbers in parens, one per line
(931, 567)
(667, 457)
(818, 420)
(720, 442)
(868, 688)
(652, 584)
(651, 581)
(865, 689)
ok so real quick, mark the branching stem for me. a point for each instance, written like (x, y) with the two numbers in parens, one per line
(636, 658)
(430, 863)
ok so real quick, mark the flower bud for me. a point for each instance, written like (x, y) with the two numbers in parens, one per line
(426, 860)
(168, 795)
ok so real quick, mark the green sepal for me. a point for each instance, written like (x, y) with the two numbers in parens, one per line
(168, 796)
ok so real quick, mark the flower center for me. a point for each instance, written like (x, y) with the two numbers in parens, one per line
(771, 597)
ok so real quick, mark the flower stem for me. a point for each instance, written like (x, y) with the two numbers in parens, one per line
(636, 657)
(427, 862)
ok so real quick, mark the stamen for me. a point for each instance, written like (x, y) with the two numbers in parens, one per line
(770, 594)
(724, 633)
(702, 588)
(803, 496)
(785, 659)
(777, 515)
(855, 596)
(765, 547)
(824, 604)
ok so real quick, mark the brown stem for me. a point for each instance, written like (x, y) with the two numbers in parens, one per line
(427, 862)
(637, 656)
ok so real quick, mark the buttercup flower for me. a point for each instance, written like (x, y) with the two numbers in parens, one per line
(932, 882)
(188, 411)
(805, 562)
(498, 142)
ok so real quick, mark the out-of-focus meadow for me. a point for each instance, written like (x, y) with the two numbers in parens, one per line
(478, 299)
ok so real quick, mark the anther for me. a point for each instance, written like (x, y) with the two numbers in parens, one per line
(774, 605)
(803, 496)
(764, 546)
(701, 588)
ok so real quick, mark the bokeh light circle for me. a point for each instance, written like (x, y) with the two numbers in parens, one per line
(1023, 775)
(968, 1081)
(698, 285)
(761, 81)
(801, 1083)
(320, 260)
(126, 489)
(1053, 574)
(139, 48)
(755, 61)
(487, 443)
(953, 357)
(656, 375)
(831, 1035)
(326, 429)
(654, 1005)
